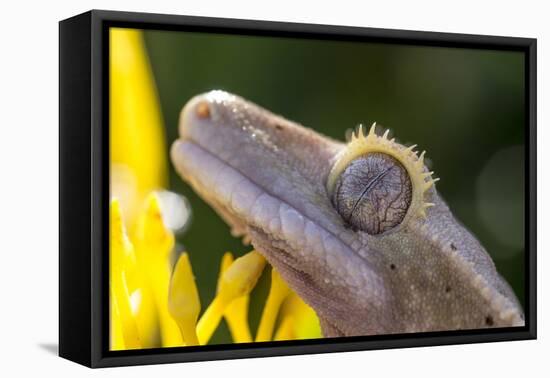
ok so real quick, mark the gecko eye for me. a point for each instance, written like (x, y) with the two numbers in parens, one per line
(377, 184)
(373, 193)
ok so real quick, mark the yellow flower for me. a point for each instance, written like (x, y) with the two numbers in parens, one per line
(238, 280)
(151, 304)
(298, 320)
(277, 294)
(144, 265)
(169, 302)
(137, 146)
(183, 300)
(124, 333)
(154, 243)
(236, 314)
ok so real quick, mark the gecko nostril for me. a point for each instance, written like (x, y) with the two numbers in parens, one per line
(203, 110)
(489, 320)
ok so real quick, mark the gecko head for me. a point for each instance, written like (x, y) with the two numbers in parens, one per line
(335, 220)
(267, 178)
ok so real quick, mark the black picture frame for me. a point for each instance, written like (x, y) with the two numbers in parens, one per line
(84, 188)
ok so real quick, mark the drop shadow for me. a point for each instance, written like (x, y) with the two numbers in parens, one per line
(51, 348)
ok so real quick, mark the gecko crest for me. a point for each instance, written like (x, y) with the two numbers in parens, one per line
(376, 184)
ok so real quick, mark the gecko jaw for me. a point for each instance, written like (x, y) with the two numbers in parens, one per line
(244, 206)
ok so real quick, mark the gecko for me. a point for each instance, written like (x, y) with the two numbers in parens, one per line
(357, 229)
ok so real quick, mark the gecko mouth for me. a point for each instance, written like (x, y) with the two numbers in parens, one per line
(234, 196)
(247, 207)
(216, 147)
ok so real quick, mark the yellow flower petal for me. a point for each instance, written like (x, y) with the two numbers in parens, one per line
(286, 329)
(124, 330)
(210, 320)
(122, 310)
(236, 313)
(238, 280)
(123, 258)
(137, 146)
(151, 232)
(183, 300)
(241, 277)
(116, 337)
(227, 260)
(277, 294)
(122, 251)
(137, 156)
(304, 319)
(154, 243)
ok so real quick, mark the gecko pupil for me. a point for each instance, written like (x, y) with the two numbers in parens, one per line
(373, 193)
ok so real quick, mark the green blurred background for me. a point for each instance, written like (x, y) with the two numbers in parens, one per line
(465, 107)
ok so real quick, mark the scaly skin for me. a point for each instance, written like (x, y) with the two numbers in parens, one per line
(266, 177)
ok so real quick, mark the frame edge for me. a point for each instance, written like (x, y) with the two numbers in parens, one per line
(75, 77)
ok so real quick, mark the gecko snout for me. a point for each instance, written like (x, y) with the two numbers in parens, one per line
(203, 111)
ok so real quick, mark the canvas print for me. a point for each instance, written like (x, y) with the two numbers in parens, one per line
(269, 189)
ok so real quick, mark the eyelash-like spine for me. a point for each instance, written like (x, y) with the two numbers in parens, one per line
(361, 145)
